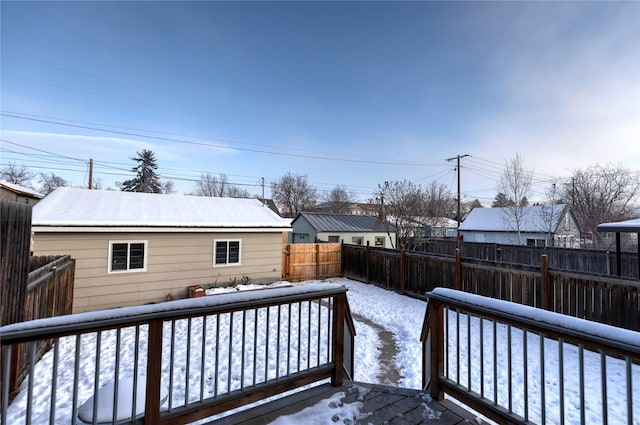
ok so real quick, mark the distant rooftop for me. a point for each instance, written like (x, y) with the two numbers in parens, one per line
(21, 190)
(325, 222)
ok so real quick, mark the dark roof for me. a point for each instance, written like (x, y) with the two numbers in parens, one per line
(322, 222)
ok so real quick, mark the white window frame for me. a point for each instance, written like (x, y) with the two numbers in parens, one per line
(227, 241)
(128, 269)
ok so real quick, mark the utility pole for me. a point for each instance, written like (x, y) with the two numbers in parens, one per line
(90, 174)
(457, 157)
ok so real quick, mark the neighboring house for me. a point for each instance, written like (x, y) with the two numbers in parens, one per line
(136, 248)
(350, 229)
(17, 193)
(441, 227)
(541, 225)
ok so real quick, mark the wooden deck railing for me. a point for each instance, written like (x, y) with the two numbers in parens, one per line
(518, 364)
(187, 359)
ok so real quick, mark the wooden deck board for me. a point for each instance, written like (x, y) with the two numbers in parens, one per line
(381, 404)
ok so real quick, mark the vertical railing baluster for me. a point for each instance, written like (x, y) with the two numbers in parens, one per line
(319, 330)
(230, 358)
(6, 352)
(243, 352)
(543, 412)
(136, 359)
(266, 345)
(495, 363)
(299, 334)
(288, 340)
(172, 362)
(217, 351)
(255, 345)
(309, 336)
(561, 377)
(446, 342)
(32, 361)
(581, 379)
(603, 381)
(509, 370)
(457, 346)
(469, 351)
(187, 363)
(330, 319)
(116, 375)
(96, 383)
(629, 391)
(481, 318)
(203, 355)
(76, 376)
(278, 346)
(54, 380)
(525, 362)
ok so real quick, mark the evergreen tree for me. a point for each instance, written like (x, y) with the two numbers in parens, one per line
(146, 179)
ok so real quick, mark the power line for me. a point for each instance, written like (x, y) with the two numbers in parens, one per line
(211, 145)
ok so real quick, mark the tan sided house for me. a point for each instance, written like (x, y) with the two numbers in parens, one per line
(138, 248)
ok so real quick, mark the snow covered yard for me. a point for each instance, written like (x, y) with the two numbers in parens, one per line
(402, 317)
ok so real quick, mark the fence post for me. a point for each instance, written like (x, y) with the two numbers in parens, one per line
(458, 276)
(403, 266)
(545, 291)
(154, 372)
(367, 262)
(286, 263)
(317, 253)
(52, 291)
(342, 255)
(339, 311)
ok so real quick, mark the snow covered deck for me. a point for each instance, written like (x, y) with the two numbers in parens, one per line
(362, 403)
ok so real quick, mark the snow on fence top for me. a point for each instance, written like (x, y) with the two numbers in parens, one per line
(166, 310)
(625, 337)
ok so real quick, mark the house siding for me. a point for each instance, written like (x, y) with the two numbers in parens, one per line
(347, 237)
(174, 261)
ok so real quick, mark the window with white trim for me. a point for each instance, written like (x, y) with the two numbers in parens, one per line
(127, 256)
(226, 252)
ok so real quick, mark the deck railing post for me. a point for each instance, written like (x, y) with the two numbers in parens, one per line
(154, 372)
(339, 312)
(435, 335)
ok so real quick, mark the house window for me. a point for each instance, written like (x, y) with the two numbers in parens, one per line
(379, 241)
(127, 256)
(226, 252)
(356, 240)
(333, 239)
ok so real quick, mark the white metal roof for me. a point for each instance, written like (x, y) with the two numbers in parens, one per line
(537, 218)
(67, 207)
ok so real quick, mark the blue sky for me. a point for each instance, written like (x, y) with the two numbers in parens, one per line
(351, 93)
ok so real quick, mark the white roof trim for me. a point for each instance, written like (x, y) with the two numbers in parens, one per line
(137, 229)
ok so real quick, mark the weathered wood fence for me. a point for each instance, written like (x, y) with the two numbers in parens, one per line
(578, 260)
(311, 261)
(32, 287)
(605, 299)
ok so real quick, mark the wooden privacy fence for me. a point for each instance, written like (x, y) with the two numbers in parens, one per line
(578, 260)
(604, 299)
(311, 261)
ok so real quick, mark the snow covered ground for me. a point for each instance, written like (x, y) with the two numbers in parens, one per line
(402, 317)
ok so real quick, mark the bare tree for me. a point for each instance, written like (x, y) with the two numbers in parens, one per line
(48, 182)
(440, 201)
(17, 174)
(404, 204)
(600, 194)
(294, 194)
(339, 199)
(167, 187)
(515, 184)
(210, 185)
